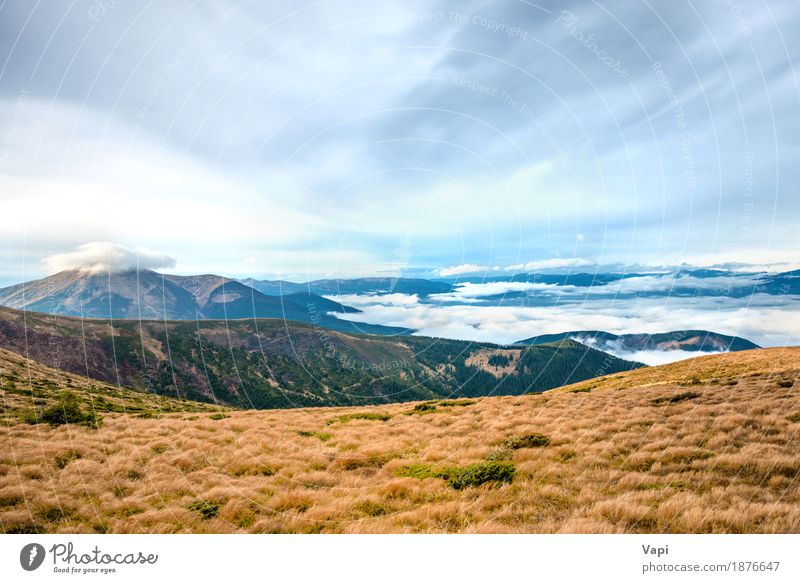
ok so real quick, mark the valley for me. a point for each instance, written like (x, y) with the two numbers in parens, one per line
(274, 363)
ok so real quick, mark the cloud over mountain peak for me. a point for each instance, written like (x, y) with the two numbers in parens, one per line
(101, 256)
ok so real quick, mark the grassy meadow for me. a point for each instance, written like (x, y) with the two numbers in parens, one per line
(708, 445)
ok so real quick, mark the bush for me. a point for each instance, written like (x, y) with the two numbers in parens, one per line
(478, 474)
(460, 478)
(456, 403)
(217, 416)
(318, 434)
(423, 408)
(498, 455)
(367, 416)
(206, 509)
(794, 418)
(526, 441)
(66, 411)
(671, 399)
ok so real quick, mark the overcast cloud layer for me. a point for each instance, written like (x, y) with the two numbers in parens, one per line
(348, 138)
(760, 318)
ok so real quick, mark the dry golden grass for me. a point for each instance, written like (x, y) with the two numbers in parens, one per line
(700, 446)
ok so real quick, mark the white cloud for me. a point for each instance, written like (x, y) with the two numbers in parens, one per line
(99, 257)
(462, 269)
(756, 318)
(375, 299)
(670, 282)
(468, 291)
(554, 263)
(656, 357)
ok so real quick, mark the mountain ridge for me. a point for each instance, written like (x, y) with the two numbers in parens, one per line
(275, 363)
(146, 294)
(687, 340)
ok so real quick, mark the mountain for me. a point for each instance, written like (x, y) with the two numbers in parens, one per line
(363, 285)
(270, 363)
(144, 294)
(688, 340)
(132, 294)
(275, 287)
(575, 279)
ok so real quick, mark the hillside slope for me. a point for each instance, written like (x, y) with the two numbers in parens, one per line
(686, 340)
(274, 363)
(703, 446)
(711, 369)
(27, 386)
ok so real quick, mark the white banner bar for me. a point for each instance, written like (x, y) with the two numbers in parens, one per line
(389, 558)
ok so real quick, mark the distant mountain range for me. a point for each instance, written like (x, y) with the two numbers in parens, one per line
(145, 294)
(400, 285)
(268, 363)
(687, 340)
(685, 282)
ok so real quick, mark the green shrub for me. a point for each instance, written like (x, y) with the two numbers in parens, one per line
(206, 509)
(460, 478)
(456, 403)
(671, 399)
(367, 416)
(526, 441)
(217, 416)
(423, 408)
(478, 474)
(318, 434)
(499, 455)
(66, 411)
(786, 383)
(794, 418)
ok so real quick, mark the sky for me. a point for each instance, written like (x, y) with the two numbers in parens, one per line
(342, 138)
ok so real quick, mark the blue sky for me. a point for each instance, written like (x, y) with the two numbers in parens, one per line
(311, 139)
